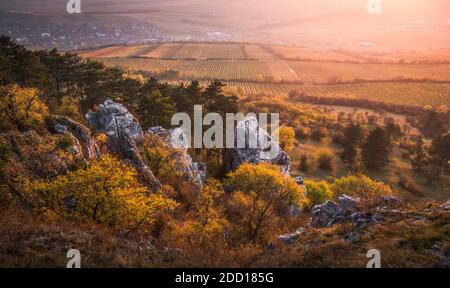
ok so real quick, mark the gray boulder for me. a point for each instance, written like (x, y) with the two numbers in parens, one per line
(291, 238)
(177, 139)
(330, 213)
(352, 237)
(446, 206)
(115, 121)
(360, 220)
(391, 201)
(256, 142)
(124, 132)
(300, 181)
(81, 135)
(294, 210)
(348, 203)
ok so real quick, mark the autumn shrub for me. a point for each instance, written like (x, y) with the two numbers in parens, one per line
(302, 132)
(102, 142)
(338, 138)
(161, 159)
(326, 160)
(108, 191)
(368, 190)
(320, 134)
(317, 193)
(307, 162)
(36, 155)
(22, 107)
(410, 187)
(65, 142)
(170, 166)
(262, 195)
(206, 218)
(286, 138)
(69, 107)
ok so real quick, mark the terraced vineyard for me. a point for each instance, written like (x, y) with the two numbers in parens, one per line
(307, 72)
(119, 51)
(257, 69)
(414, 94)
(186, 51)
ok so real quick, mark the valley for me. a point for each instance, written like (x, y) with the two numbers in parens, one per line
(254, 69)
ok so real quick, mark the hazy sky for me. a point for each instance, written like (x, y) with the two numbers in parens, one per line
(318, 23)
(309, 7)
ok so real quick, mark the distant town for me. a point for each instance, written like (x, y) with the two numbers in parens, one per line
(36, 32)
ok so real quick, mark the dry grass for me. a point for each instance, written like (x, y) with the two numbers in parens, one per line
(414, 239)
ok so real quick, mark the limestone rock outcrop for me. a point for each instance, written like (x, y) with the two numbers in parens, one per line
(348, 209)
(80, 134)
(176, 139)
(329, 213)
(248, 132)
(124, 132)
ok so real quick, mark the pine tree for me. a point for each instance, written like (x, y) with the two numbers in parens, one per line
(419, 156)
(214, 97)
(130, 93)
(439, 157)
(376, 149)
(353, 136)
(155, 109)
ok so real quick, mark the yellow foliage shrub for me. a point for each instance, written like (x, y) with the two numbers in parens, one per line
(262, 196)
(287, 138)
(160, 159)
(317, 192)
(22, 107)
(107, 191)
(368, 190)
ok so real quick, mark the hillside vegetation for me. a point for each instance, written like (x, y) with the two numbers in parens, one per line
(123, 195)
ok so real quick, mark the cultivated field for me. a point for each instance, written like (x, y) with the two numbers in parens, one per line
(307, 72)
(277, 70)
(411, 94)
(118, 51)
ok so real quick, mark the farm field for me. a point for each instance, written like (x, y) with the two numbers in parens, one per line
(412, 94)
(246, 51)
(299, 53)
(435, 55)
(252, 69)
(186, 51)
(118, 51)
(307, 72)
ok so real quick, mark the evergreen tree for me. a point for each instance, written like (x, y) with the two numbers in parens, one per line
(194, 92)
(155, 110)
(439, 156)
(376, 149)
(418, 155)
(182, 101)
(432, 124)
(393, 130)
(213, 95)
(130, 93)
(353, 136)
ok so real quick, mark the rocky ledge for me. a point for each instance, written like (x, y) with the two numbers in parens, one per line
(124, 132)
(177, 139)
(249, 129)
